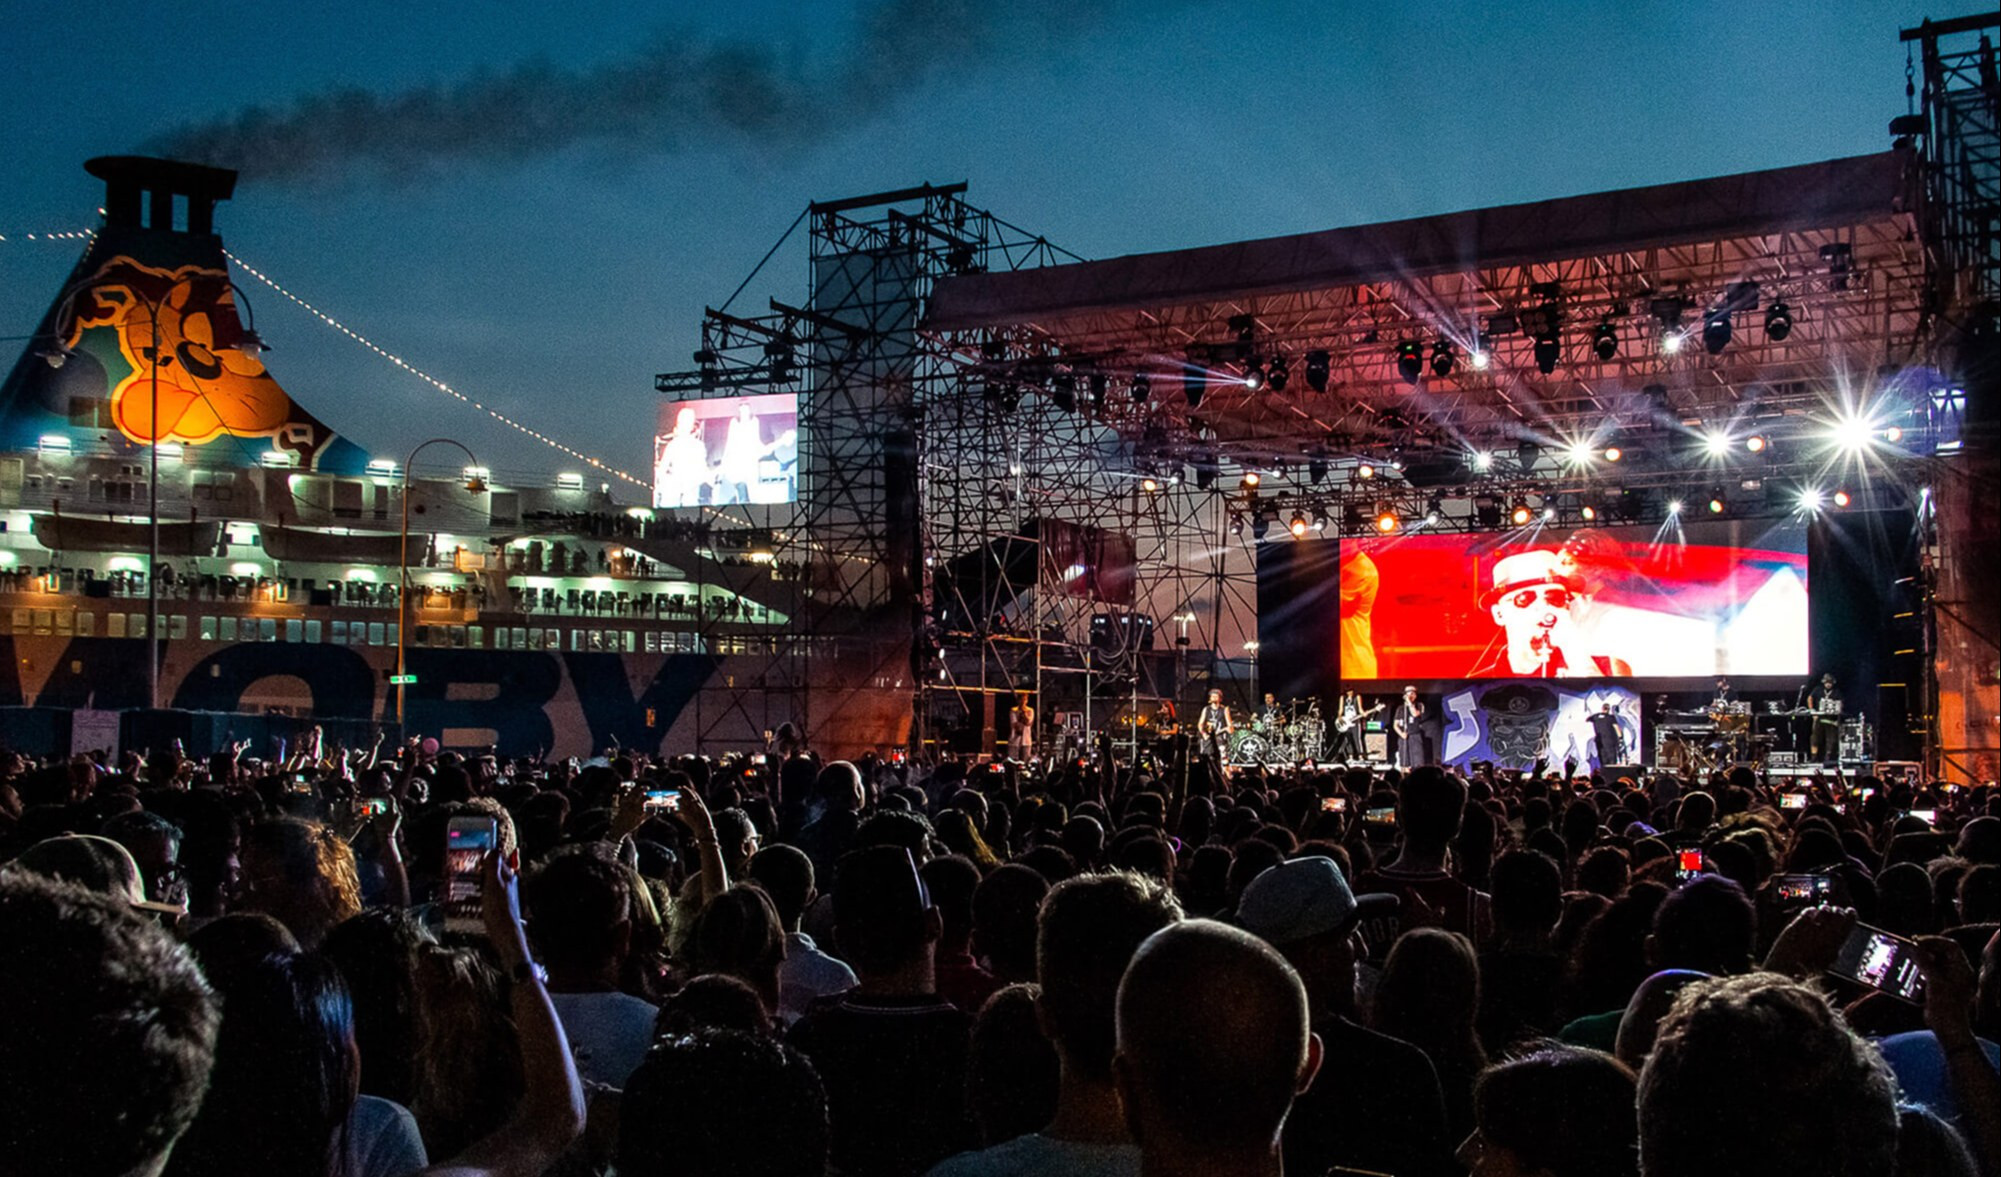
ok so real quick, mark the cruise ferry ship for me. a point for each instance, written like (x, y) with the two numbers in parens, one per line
(540, 618)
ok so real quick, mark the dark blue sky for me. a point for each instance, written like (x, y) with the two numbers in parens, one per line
(552, 280)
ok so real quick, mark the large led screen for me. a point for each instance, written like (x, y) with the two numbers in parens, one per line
(1710, 598)
(727, 449)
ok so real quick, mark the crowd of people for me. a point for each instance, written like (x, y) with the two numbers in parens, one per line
(780, 965)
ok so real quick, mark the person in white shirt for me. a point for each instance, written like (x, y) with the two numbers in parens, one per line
(580, 919)
(808, 974)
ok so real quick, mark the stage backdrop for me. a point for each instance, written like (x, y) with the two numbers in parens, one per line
(1514, 724)
(1709, 598)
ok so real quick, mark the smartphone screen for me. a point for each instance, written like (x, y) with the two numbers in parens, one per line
(1927, 816)
(1336, 805)
(467, 842)
(1792, 801)
(1796, 891)
(1687, 864)
(662, 800)
(1883, 962)
(1385, 816)
(375, 806)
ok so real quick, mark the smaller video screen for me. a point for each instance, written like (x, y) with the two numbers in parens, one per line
(727, 450)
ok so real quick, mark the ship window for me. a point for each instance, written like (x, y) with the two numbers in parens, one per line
(313, 631)
(114, 623)
(177, 626)
(227, 628)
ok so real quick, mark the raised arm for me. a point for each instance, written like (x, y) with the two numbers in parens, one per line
(551, 1112)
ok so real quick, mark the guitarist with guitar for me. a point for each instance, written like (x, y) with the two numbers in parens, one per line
(1348, 726)
(1212, 730)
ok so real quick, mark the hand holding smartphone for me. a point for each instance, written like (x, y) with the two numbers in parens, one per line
(468, 840)
(1881, 961)
(1335, 805)
(662, 801)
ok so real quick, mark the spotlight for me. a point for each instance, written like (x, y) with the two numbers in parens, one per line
(1316, 467)
(1279, 375)
(1547, 352)
(1260, 526)
(1519, 513)
(1442, 358)
(1236, 525)
(1142, 389)
(1716, 332)
(1578, 453)
(1320, 519)
(1487, 509)
(1063, 392)
(1254, 377)
(1756, 443)
(1606, 341)
(1386, 520)
(1410, 360)
(1150, 485)
(1434, 510)
(1298, 527)
(1365, 471)
(1483, 461)
(1854, 433)
(1718, 444)
(1548, 513)
(1099, 383)
(1613, 453)
(1589, 512)
(1841, 498)
(1526, 453)
(1893, 434)
(1717, 503)
(1671, 341)
(1481, 359)
(1810, 499)
(1778, 322)
(1674, 506)
(1251, 479)
(1317, 370)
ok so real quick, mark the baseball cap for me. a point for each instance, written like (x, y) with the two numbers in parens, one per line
(95, 864)
(1305, 897)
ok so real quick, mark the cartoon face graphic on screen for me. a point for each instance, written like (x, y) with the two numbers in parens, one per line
(1536, 600)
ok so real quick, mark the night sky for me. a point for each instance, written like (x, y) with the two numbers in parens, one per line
(534, 201)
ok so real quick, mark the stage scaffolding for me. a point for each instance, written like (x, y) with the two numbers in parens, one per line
(1954, 82)
(932, 467)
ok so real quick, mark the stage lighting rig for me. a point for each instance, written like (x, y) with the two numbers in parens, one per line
(1365, 471)
(1519, 513)
(1298, 526)
(1260, 526)
(1716, 331)
(1487, 509)
(1481, 359)
(1279, 374)
(1320, 519)
(1778, 322)
(1386, 519)
(1548, 350)
(1589, 512)
(1063, 391)
(1100, 385)
(1442, 358)
(1410, 360)
(1842, 498)
(1605, 341)
(1150, 484)
(1194, 381)
(1142, 388)
(1717, 502)
(1756, 443)
(1613, 453)
(1317, 369)
(1527, 454)
(1245, 329)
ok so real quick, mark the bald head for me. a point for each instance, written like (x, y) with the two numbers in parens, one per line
(1213, 1041)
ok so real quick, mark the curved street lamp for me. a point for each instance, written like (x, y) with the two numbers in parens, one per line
(474, 484)
(59, 353)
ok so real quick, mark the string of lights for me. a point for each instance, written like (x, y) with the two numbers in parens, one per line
(427, 378)
(59, 235)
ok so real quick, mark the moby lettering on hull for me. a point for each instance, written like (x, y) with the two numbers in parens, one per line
(524, 702)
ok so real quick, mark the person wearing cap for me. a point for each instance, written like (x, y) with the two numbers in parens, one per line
(1376, 1105)
(1535, 600)
(95, 864)
(891, 1052)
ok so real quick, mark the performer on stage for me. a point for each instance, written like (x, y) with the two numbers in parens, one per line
(1825, 703)
(1723, 693)
(1212, 732)
(1021, 730)
(1408, 724)
(1348, 727)
(1608, 738)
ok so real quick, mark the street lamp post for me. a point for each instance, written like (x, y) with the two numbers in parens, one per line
(248, 342)
(475, 484)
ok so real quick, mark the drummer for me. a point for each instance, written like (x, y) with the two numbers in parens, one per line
(1270, 719)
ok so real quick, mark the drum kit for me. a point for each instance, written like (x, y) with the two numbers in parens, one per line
(1289, 733)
